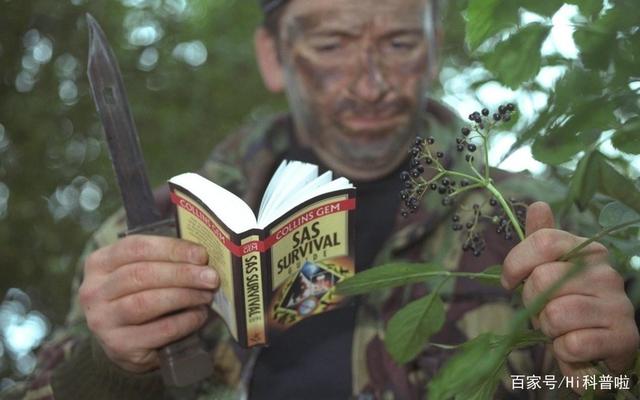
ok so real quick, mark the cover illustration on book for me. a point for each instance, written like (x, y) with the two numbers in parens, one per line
(281, 267)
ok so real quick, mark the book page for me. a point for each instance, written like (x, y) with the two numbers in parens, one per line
(296, 183)
(196, 225)
(275, 179)
(228, 207)
(296, 175)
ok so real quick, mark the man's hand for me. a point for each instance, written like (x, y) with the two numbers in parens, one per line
(144, 292)
(590, 317)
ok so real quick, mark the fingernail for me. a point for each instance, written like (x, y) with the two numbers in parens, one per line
(503, 282)
(198, 255)
(210, 277)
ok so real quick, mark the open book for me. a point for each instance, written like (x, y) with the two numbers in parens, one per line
(282, 266)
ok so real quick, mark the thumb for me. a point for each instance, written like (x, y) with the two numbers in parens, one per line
(539, 216)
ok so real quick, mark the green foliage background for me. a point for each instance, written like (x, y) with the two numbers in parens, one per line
(181, 112)
(56, 182)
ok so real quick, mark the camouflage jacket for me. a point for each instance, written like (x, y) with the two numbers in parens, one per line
(73, 366)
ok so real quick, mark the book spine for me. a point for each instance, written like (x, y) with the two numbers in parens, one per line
(253, 292)
(267, 293)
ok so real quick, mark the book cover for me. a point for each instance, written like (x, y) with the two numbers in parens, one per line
(275, 276)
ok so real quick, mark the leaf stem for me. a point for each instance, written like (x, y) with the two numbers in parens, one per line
(463, 175)
(475, 171)
(485, 151)
(467, 188)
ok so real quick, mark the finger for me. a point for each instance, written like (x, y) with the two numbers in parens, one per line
(595, 280)
(141, 276)
(616, 347)
(539, 216)
(160, 332)
(146, 306)
(544, 246)
(136, 248)
(574, 312)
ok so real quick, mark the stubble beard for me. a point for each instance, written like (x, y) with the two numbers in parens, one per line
(358, 155)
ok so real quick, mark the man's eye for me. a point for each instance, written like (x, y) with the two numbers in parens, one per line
(399, 44)
(325, 47)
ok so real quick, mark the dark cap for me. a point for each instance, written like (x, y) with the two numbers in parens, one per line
(268, 6)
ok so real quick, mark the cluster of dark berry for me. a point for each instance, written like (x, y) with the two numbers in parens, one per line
(503, 114)
(414, 185)
(423, 155)
(474, 242)
(463, 143)
(503, 223)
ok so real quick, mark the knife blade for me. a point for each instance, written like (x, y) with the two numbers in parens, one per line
(120, 130)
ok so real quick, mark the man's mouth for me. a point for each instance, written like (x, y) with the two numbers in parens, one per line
(371, 123)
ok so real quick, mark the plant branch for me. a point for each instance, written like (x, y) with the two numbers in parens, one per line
(507, 209)
(573, 252)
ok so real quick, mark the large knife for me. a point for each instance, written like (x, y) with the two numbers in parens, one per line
(183, 362)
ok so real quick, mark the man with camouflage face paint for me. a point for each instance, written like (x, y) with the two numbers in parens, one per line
(356, 74)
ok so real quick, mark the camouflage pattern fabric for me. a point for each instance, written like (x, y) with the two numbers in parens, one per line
(73, 366)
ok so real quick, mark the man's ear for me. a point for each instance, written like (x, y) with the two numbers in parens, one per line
(268, 60)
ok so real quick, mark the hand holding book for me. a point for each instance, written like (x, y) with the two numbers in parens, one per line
(280, 267)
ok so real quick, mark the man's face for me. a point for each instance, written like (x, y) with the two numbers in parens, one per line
(355, 74)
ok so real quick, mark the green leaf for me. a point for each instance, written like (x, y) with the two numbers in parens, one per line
(583, 185)
(627, 138)
(614, 184)
(487, 353)
(410, 328)
(577, 83)
(473, 373)
(507, 62)
(485, 18)
(559, 145)
(627, 247)
(596, 42)
(575, 133)
(388, 275)
(522, 339)
(545, 8)
(616, 213)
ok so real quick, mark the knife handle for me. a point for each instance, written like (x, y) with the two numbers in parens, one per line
(184, 361)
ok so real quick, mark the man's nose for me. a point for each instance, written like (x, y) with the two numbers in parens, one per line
(370, 83)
